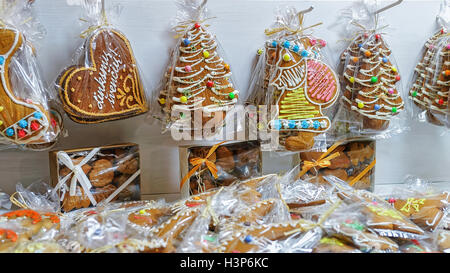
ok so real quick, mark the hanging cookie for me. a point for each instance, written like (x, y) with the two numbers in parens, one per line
(198, 81)
(25, 116)
(107, 85)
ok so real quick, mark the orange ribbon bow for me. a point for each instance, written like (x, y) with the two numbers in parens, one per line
(322, 162)
(197, 162)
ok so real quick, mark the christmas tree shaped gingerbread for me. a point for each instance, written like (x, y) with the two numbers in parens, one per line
(423, 72)
(302, 87)
(200, 79)
(430, 90)
(370, 82)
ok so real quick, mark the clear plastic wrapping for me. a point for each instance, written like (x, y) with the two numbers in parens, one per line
(294, 79)
(103, 81)
(96, 176)
(418, 201)
(372, 104)
(429, 86)
(198, 93)
(27, 118)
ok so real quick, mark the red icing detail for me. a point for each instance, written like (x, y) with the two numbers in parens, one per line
(21, 133)
(391, 200)
(193, 204)
(36, 217)
(53, 122)
(91, 212)
(235, 251)
(210, 84)
(415, 242)
(9, 234)
(295, 216)
(35, 126)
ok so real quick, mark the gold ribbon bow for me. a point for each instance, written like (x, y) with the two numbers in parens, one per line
(322, 162)
(197, 162)
(299, 30)
(91, 29)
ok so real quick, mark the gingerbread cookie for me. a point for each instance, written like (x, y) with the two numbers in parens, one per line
(102, 173)
(426, 212)
(109, 87)
(302, 87)
(199, 81)
(370, 82)
(22, 120)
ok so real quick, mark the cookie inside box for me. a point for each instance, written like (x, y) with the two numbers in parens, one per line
(354, 157)
(107, 170)
(234, 162)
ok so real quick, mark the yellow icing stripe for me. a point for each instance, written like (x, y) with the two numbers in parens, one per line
(296, 106)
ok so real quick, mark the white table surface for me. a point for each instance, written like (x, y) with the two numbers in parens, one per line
(239, 27)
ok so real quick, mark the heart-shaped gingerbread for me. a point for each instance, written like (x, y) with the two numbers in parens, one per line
(108, 86)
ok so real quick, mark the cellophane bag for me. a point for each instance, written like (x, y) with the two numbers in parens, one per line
(299, 86)
(372, 104)
(429, 86)
(420, 202)
(103, 81)
(198, 94)
(27, 119)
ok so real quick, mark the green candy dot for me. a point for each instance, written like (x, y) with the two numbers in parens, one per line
(394, 109)
(231, 95)
(414, 94)
(374, 79)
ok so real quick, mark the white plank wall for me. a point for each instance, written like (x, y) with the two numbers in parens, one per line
(239, 27)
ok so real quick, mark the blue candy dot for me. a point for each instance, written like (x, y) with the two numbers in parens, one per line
(10, 132)
(305, 53)
(248, 239)
(286, 44)
(37, 115)
(316, 124)
(377, 107)
(186, 42)
(277, 124)
(305, 124)
(274, 43)
(23, 123)
(2, 60)
(296, 48)
(291, 124)
(360, 45)
(385, 60)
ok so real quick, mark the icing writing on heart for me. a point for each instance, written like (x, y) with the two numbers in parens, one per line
(111, 62)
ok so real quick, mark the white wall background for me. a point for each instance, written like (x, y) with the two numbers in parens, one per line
(239, 27)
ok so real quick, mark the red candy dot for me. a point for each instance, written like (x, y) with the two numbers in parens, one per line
(21, 133)
(397, 78)
(377, 36)
(391, 200)
(35, 126)
(197, 25)
(441, 101)
(210, 84)
(53, 122)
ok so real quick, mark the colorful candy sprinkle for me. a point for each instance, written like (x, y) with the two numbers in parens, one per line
(286, 44)
(394, 109)
(352, 79)
(360, 105)
(374, 79)
(37, 115)
(260, 51)
(205, 53)
(197, 25)
(183, 99)
(377, 107)
(188, 68)
(23, 123)
(231, 95)
(10, 132)
(296, 48)
(210, 84)
(274, 44)
(21, 133)
(304, 53)
(248, 239)
(286, 57)
(186, 42)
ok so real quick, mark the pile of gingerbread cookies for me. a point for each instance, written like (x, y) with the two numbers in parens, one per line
(352, 158)
(108, 170)
(259, 215)
(234, 162)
